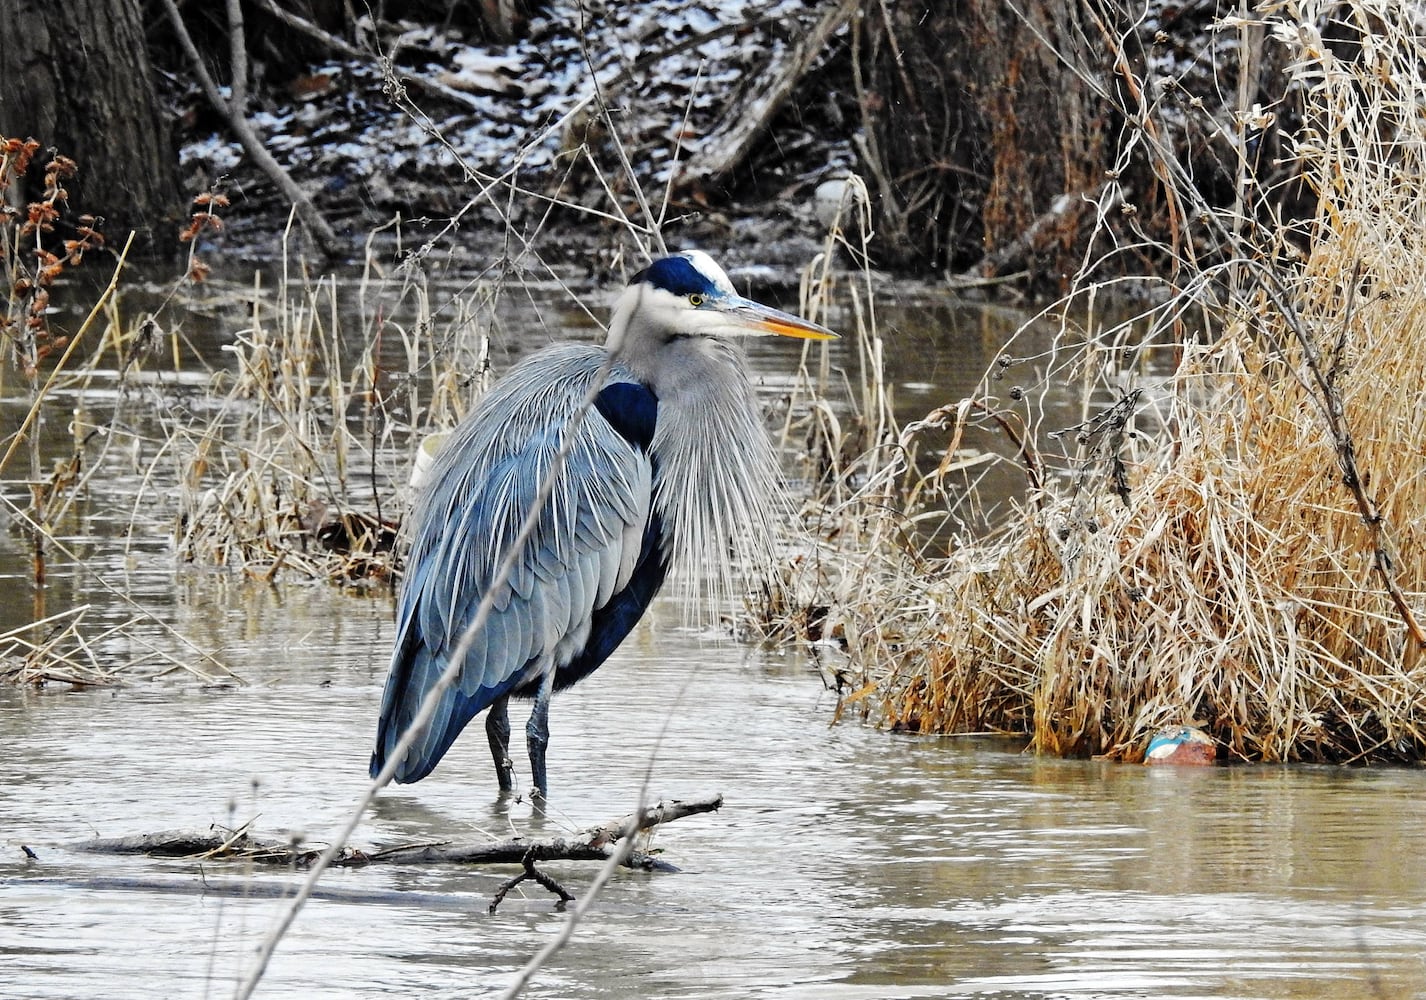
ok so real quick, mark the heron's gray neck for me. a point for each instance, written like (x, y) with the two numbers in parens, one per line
(717, 490)
(674, 367)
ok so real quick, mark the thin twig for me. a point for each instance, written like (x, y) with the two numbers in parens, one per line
(566, 931)
(530, 872)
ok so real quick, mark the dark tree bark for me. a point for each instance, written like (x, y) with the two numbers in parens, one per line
(76, 76)
(975, 132)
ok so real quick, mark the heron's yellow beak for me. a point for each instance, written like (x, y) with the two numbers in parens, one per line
(758, 318)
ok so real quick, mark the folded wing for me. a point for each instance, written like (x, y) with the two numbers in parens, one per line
(578, 584)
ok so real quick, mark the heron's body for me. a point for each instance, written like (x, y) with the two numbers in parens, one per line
(669, 467)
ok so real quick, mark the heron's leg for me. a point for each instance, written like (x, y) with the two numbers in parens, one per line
(537, 730)
(497, 731)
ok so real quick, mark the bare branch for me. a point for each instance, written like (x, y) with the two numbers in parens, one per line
(232, 110)
(596, 843)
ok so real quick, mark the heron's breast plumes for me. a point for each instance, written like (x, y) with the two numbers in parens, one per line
(717, 485)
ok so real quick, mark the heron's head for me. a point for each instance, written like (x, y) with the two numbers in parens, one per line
(688, 295)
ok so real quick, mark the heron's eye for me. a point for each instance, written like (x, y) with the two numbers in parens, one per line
(695, 300)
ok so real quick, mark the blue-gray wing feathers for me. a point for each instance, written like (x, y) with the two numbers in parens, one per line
(586, 575)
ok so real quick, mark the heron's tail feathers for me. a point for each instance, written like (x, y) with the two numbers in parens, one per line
(414, 672)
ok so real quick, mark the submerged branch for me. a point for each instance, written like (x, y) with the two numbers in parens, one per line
(596, 843)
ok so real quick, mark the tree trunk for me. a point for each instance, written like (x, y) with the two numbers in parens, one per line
(76, 76)
(976, 133)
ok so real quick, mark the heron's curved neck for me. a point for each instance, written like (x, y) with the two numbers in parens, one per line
(673, 366)
(617, 343)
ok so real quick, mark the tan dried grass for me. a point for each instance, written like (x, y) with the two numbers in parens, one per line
(301, 468)
(1218, 569)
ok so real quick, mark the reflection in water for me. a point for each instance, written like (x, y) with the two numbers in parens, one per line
(846, 862)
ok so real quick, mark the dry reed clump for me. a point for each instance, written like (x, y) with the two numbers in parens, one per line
(264, 484)
(300, 469)
(63, 649)
(1251, 562)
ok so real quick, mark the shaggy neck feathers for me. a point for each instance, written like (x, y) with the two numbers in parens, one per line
(717, 487)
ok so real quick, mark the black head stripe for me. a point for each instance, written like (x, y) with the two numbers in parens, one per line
(677, 275)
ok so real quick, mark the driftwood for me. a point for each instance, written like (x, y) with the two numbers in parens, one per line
(746, 121)
(1047, 227)
(597, 843)
(531, 872)
(342, 47)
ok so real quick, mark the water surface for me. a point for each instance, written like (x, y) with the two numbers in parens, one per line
(845, 863)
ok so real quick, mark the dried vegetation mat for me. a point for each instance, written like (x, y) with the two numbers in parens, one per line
(1232, 536)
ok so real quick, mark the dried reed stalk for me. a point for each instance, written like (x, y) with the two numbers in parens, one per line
(299, 466)
(60, 649)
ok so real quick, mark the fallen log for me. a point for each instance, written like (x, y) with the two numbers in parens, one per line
(596, 843)
(746, 121)
(346, 49)
(1047, 227)
(233, 108)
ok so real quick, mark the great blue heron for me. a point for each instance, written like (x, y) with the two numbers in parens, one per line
(671, 468)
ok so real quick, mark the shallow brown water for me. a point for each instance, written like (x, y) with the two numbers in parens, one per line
(845, 863)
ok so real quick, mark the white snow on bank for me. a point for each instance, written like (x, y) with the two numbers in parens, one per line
(646, 58)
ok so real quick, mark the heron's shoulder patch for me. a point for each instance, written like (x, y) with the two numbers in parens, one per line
(631, 409)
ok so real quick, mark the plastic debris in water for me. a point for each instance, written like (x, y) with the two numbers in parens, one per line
(426, 457)
(1181, 745)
